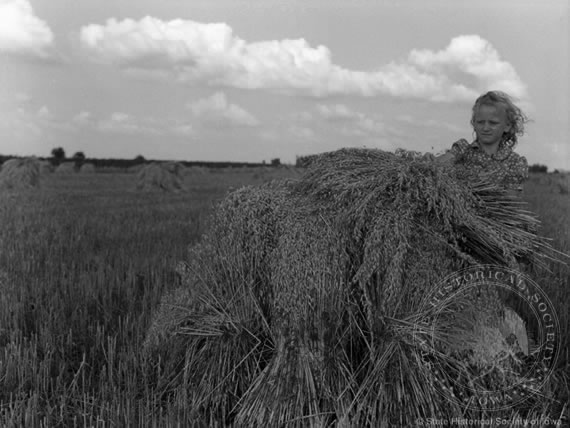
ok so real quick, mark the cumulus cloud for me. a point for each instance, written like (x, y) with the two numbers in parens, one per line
(217, 111)
(415, 122)
(335, 112)
(123, 123)
(31, 121)
(20, 123)
(302, 132)
(22, 32)
(182, 130)
(23, 97)
(351, 123)
(211, 52)
(82, 118)
(44, 113)
(475, 57)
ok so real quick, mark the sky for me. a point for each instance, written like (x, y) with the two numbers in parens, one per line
(254, 80)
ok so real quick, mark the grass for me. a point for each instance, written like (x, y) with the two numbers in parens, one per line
(84, 262)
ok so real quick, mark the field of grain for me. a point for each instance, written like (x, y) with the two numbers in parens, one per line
(84, 260)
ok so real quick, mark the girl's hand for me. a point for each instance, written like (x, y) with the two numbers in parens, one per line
(447, 157)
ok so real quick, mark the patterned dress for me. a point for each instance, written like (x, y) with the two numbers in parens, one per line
(509, 170)
(505, 167)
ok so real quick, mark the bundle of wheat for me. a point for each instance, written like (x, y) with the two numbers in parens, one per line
(65, 168)
(174, 167)
(46, 167)
(165, 177)
(87, 168)
(300, 305)
(20, 173)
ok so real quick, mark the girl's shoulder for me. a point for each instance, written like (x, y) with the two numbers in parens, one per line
(514, 157)
(516, 166)
(460, 146)
(517, 156)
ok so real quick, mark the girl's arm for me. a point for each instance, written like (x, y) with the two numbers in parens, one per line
(517, 173)
(457, 149)
(445, 158)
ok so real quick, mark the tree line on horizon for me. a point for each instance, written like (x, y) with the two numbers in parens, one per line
(58, 156)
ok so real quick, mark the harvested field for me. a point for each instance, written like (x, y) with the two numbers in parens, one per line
(86, 260)
(196, 170)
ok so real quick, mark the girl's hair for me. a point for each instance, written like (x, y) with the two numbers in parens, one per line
(515, 116)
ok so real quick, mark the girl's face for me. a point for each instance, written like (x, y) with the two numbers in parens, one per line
(490, 123)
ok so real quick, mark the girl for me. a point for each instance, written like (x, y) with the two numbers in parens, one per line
(497, 122)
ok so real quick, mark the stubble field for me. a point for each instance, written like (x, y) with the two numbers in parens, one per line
(84, 261)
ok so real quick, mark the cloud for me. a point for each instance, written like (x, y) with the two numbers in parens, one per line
(302, 132)
(23, 97)
(22, 32)
(475, 57)
(428, 124)
(30, 122)
(212, 53)
(20, 123)
(217, 111)
(336, 112)
(44, 113)
(351, 123)
(182, 130)
(123, 123)
(82, 118)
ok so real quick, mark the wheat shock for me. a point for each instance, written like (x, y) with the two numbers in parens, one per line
(365, 293)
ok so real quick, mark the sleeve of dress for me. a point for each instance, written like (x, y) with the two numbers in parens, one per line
(459, 147)
(522, 170)
(518, 172)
